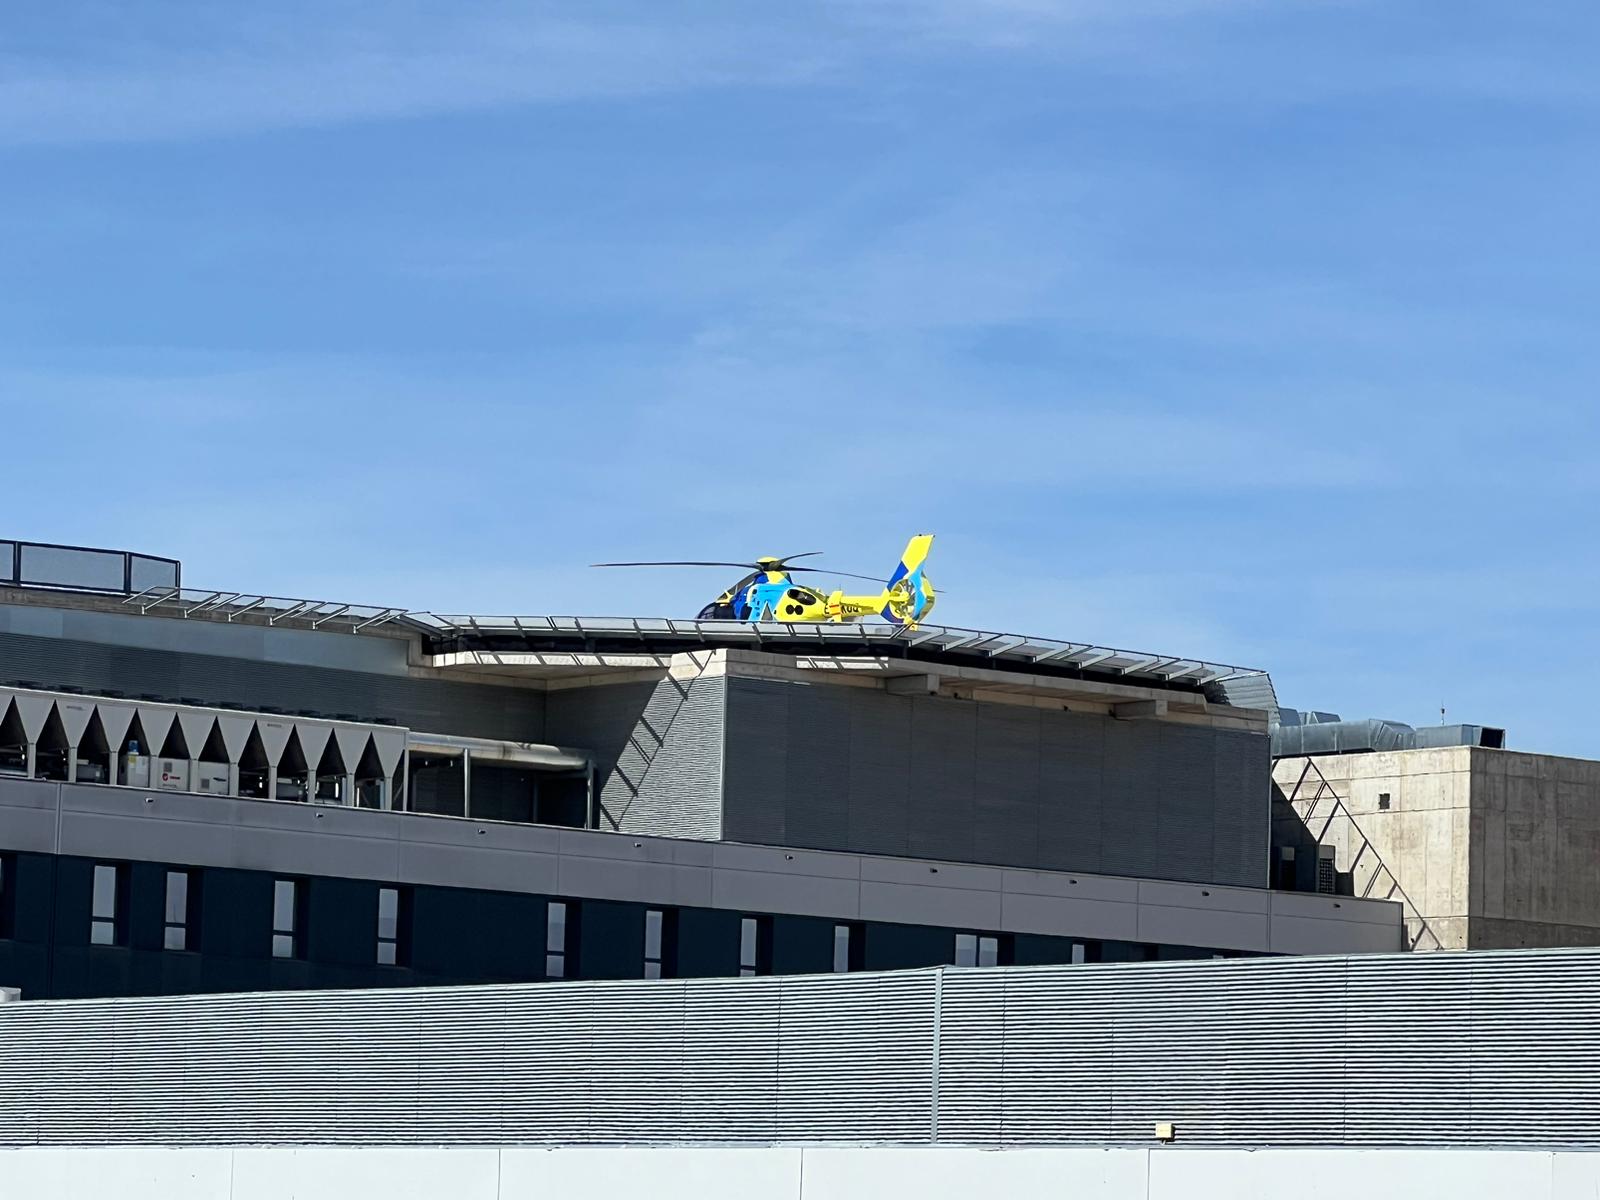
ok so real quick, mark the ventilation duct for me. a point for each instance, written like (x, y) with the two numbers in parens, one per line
(1301, 734)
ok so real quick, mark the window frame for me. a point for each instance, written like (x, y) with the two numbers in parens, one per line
(393, 943)
(655, 961)
(108, 928)
(288, 940)
(977, 949)
(181, 925)
(557, 915)
(755, 959)
(852, 947)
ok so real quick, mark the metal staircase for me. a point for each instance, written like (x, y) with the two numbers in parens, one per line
(1318, 805)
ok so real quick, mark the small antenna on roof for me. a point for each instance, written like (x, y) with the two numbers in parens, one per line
(1441, 714)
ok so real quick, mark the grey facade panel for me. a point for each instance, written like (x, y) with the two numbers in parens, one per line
(432, 705)
(944, 741)
(1071, 795)
(1241, 827)
(308, 647)
(1010, 785)
(1006, 795)
(602, 720)
(1470, 1049)
(756, 763)
(1186, 815)
(880, 775)
(817, 767)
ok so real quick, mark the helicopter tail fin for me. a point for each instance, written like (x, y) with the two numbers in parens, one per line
(909, 595)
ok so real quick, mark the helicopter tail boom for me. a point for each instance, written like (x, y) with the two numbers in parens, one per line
(905, 600)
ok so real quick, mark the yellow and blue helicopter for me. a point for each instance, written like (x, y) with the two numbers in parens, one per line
(770, 592)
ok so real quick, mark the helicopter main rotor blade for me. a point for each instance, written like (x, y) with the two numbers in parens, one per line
(807, 554)
(877, 579)
(681, 563)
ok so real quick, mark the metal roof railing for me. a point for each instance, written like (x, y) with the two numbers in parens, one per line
(254, 609)
(1009, 648)
(84, 568)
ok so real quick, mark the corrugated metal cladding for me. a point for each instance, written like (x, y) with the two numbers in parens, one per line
(1472, 1048)
(658, 750)
(433, 705)
(830, 768)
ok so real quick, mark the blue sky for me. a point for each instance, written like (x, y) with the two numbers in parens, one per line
(1257, 331)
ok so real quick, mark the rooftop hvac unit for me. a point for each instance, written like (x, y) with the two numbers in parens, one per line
(211, 778)
(1327, 877)
(170, 774)
(134, 771)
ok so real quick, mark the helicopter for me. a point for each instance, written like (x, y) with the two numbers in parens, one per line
(770, 592)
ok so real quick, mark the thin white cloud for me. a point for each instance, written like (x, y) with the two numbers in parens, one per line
(135, 75)
(374, 62)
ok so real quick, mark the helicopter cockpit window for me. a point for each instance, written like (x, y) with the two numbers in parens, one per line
(801, 597)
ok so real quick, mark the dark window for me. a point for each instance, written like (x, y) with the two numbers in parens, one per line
(1285, 880)
(555, 940)
(106, 922)
(8, 903)
(1383, 801)
(1127, 952)
(390, 906)
(977, 950)
(180, 904)
(287, 934)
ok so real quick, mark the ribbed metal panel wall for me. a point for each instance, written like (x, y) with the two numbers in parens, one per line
(434, 705)
(658, 751)
(831, 768)
(778, 1059)
(673, 763)
(1471, 1048)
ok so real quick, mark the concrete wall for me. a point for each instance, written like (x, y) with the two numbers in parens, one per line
(1535, 827)
(793, 1173)
(1492, 848)
(837, 768)
(1417, 848)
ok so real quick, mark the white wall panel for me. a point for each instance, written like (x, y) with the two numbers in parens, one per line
(775, 1173)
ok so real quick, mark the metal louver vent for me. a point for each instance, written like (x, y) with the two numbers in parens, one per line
(1462, 1049)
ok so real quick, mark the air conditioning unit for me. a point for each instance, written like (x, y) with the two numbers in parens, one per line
(91, 772)
(134, 771)
(211, 778)
(170, 774)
